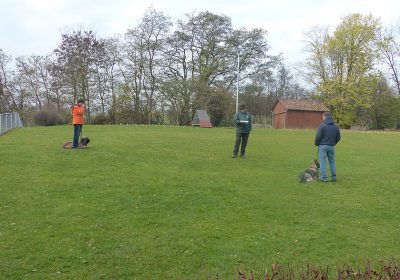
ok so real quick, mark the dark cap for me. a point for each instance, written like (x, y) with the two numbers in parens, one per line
(81, 100)
(242, 107)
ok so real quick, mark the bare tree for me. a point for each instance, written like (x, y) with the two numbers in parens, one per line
(35, 78)
(76, 55)
(317, 63)
(201, 55)
(389, 45)
(143, 52)
(7, 101)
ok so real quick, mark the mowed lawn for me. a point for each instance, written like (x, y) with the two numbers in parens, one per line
(147, 202)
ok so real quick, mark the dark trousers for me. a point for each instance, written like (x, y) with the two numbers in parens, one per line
(241, 137)
(77, 132)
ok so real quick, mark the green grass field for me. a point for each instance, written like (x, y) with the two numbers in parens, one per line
(146, 202)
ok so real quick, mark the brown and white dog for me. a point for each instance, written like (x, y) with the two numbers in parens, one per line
(81, 145)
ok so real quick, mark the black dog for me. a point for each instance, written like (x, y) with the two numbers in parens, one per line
(84, 141)
(82, 144)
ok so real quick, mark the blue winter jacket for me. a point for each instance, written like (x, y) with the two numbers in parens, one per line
(328, 133)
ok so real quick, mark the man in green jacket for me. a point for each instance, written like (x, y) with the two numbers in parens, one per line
(243, 123)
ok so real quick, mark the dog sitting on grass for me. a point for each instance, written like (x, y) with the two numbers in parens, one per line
(310, 174)
(81, 145)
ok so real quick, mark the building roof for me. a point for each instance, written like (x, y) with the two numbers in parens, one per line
(302, 105)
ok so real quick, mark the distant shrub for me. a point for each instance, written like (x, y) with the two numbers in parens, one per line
(100, 119)
(48, 116)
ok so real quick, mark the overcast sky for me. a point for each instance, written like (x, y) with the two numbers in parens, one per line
(34, 26)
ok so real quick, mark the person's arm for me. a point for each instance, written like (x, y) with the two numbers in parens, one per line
(338, 135)
(80, 110)
(236, 119)
(250, 122)
(318, 136)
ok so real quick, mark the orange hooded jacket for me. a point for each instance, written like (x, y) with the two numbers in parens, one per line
(77, 114)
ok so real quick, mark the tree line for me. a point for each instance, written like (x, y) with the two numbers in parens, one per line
(355, 71)
(161, 72)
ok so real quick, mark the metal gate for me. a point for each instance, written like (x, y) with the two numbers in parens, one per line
(9, 121)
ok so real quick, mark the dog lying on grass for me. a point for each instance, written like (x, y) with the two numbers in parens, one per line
(81, 145)
(310, 174)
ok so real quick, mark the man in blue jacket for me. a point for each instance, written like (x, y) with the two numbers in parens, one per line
(327, 137)
(243, 123)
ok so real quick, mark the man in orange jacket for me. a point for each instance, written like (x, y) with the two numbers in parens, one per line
(78, 110)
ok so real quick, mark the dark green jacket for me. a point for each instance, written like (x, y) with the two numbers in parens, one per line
(243, 127)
